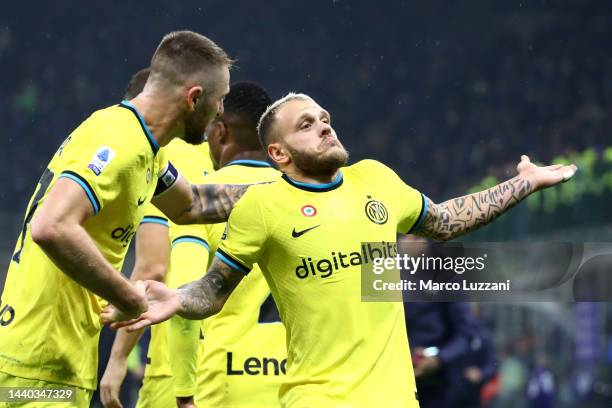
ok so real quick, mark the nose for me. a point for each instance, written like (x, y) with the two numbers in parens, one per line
(326, 129)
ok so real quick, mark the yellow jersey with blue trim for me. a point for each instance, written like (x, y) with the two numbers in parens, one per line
(243, 361)
(53, 331)
(310, 241)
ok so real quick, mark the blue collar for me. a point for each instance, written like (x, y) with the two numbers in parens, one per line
(143, 125)
(249, 163)
(316, 188)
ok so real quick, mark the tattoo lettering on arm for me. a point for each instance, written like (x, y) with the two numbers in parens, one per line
(213, 203)
(206, 297)
(459, 216)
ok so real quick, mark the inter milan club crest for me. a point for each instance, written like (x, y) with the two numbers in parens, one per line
(309, 211)
(376, 212)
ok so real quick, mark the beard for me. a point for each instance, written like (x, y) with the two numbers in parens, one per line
(326, 163)
(195, 125)
(194, 137)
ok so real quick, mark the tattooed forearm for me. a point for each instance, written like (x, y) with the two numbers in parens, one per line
(205, 297)
(459, 216)
(213, 203)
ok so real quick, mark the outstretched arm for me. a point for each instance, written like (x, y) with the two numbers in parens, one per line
(186, 203)
(459, 216)
(196, 300)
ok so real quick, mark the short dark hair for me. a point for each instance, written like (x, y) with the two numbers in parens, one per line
(243, 106)
(137, 83)
(183, 53)
(268, 118)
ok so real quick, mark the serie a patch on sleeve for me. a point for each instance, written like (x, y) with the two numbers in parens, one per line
(102, 158)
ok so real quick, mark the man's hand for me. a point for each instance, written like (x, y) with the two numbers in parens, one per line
(110, 384)
(545, 176)
(461, 215)
(163, 304)
(473, 374)
(116, 315)
(426, 366)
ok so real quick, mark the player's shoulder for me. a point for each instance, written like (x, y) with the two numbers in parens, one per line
(368, 167)
(114, 126)
(239, 174)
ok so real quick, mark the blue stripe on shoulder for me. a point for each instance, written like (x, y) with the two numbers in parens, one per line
(191, 239)
(231, 262)
(88, 190)
(424, 209)
(149, 219)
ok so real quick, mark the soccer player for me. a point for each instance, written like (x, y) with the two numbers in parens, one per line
(153, 252)
(86, 207)
(305, 232)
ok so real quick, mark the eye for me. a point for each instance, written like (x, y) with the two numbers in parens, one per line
(325, 119)
(305, 125)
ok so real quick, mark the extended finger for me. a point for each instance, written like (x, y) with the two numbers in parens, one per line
(568, 172)
(554, 167)
(525, 158)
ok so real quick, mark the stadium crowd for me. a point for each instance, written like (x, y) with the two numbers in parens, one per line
(439, 101)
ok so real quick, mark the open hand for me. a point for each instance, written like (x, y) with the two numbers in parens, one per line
(163, 304)
(545, 176)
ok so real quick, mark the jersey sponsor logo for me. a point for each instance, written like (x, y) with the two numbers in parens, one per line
(7, 314)
(297, 234)
(325, 267)
(256, 366)
(124, 234)
(309, 211)
(102, 158)
(376, 212)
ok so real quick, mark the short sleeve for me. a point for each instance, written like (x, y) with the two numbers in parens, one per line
(153, 215)
(246, 233)
(98, 169)
(189, 256)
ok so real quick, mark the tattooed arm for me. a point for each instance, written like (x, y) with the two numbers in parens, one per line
(459, 216)
(196, 300)
(205, 297)
(186, 203)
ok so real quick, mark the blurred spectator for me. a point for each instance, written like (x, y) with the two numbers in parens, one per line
(476, 369)
(440, 334)
(541, 388)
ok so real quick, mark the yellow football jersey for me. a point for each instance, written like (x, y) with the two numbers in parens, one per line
(54, 330)
(242, 363)
(194, 163)
(308, 241)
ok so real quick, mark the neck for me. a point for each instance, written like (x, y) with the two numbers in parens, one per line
(305, 177)
(161, 114)
(243, 155)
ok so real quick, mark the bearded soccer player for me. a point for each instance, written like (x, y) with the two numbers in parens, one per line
(153, 252)
(84, 211)
(305, 233)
